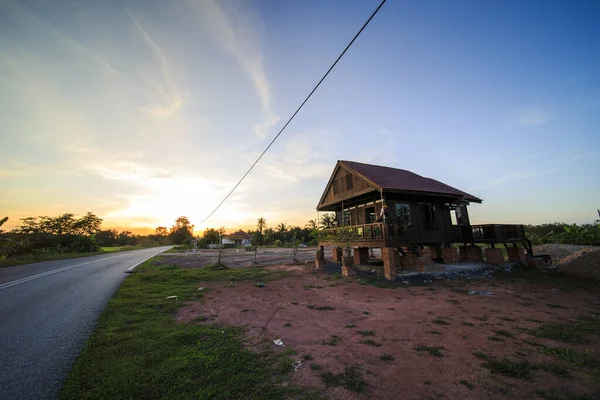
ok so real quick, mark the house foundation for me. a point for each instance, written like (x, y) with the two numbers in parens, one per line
(337, 254)
(517, 254)
(471, 253)
(450, 255)
(391, 261)
(494, 256)
(361, 256)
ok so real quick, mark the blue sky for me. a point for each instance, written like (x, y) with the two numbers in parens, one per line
(142, 111)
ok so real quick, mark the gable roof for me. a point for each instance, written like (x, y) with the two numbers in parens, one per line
(238, 235)
(387, 178)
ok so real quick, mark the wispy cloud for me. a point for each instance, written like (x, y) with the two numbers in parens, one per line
(578, 157)
(515, 176)
(236, 29)
(532, 115)
(168, 88)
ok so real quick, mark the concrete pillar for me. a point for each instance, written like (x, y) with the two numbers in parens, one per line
(337, 254)
(517, 254)
(320, 261)
(361, 255)
(409, 263)
(450, 255)
(471, 253)
(435, 251)
(494, 256)
(391, 261)
(425, 263)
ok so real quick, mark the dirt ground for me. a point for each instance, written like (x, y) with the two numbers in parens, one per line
(330, 323)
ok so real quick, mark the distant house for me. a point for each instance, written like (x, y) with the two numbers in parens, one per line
(422, 215)
(236, 239)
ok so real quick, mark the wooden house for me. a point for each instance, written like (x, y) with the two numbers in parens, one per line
(422, 214)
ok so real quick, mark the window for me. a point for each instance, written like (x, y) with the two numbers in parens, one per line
(347, 218)
(370, 216)
(349, 184)
(403, 215)
(430, 216)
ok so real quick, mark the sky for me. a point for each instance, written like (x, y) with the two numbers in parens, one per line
(142, 111)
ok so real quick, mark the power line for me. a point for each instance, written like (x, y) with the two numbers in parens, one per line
(294, 114)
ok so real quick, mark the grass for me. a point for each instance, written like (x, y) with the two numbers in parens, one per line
(351, 379)
(576, 358)
(570, 332)
(440, 322)
(435, 351)
(371, 342)
(320, 308)
(505, 366)
(467, 384)
(505, 333)
(350, 326)
(315, 367)
(555, 306)
(366, 333)
(433, 332)
(138, 351)
(496, 339)
(465, 323)
(333, 340)
(386, 357)
(40, 257)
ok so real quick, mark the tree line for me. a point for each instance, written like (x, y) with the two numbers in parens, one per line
(561, 233)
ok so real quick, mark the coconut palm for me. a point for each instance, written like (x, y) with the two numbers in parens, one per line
(282, 227)
(261, 224)
(312, 224)
(328, 221)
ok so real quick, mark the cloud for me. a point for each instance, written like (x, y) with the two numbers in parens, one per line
(583, 155)
(515, 176)
(168, 89)
(236, 29)
(532, 115)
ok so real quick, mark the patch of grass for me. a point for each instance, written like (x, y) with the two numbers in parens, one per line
(294, 303)
(386, 357)
(137, 330)
(496, 339)
(534, 320)
(507, 367)
(333, 340)
(351, 379)
(554, 369)
(532, 343)
(576, 358)
(483, 318)
(566, 395)
(371, 342)
(288, 324)
(366, 313)
(427, 382)
(320, 308)
(505, 333)
(366, 333)
(440, 322)
(307, 357)
(452, 301)
(433, 332)
(556, 306)
(482, 355)
(306, 287)
(508, 319)
(435, 351)
(570, 332)
(467, 384)
(465, 323)
(216, 267)
(315, 367)
(391, 309)
(350, 326)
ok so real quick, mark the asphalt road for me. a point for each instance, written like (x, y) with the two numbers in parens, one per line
(47, 311)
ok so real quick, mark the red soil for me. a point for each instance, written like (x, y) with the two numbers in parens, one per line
(402, 319)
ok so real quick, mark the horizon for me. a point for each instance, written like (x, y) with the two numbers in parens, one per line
(142, 113)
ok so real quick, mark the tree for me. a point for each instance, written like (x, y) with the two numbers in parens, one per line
(327, 221)
(312, 224)
(261, 224)
(161, 231)
(211, 236)
(182, 230)
(282, 228)
(2, 221)
(87, 225)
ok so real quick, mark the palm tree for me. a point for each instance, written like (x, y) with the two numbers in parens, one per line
(281, 228)
(312, 224)
(261, 224)
(328, 221)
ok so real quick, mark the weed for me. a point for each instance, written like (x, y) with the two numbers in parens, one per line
(315, 367)
(333, 340)
(555, 369)
(288, 324)
(465, 323)
(508, 319)
(482, 355)
(570, 332)
(483, 318)
(467, 384)
(386, 357)
(440, 321)
(532, 343)
(433, 332)
(350, 326)
(307, 356)
(435, 351)
(556, 306)
(452, 301)
(427, 382)
(495, 339)
(502, 332)
(366, 333)
(320, 308)
(366, 313)
(507, 367)
(575, 357)
(351, 379)
(294, 303)
(534, 320)
(391, 309)
(371, 342)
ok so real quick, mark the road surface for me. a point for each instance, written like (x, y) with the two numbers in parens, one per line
(47, 311)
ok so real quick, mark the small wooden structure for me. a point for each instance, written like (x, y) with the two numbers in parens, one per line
(424, 217)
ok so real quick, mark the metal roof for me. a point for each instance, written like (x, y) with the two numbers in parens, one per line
(399, 179)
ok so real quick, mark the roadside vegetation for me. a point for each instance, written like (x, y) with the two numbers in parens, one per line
(66, 236)
(138, 350)
(561, 233)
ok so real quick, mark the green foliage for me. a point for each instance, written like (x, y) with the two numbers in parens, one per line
(435, 351)
(570, 332)
(182, 231)
(351, 379)
(585, 234)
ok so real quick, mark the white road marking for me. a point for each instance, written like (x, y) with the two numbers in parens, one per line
(55, 271)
